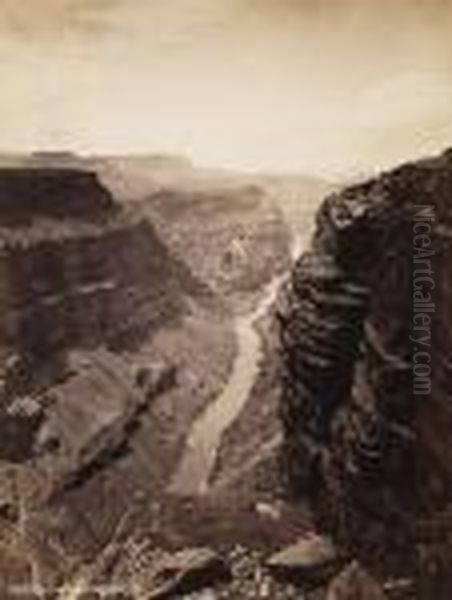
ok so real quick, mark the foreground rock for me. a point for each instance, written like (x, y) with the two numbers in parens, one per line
(365, 328)
(77, 439)
(183, 573)
(354, 583)
(312, 559)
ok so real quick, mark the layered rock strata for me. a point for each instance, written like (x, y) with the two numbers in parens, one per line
(82, 281)
(365, 338)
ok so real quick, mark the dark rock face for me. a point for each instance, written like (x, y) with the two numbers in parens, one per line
(359, 421)
(80, 291)
(28, 193)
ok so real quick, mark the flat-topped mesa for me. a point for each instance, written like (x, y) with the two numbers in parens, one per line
(29, 193)
(366, 342)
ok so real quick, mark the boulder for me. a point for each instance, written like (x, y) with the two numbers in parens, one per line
(312, 559)
(354, 583)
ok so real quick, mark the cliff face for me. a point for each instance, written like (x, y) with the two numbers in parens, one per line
(98, 276)
(95, 287)
(99, 320)
(365, 329)
(77, 273)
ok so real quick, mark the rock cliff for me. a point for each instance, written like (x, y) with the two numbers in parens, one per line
(85, 283)
(365, 327)
(76, 270)
(104, 335)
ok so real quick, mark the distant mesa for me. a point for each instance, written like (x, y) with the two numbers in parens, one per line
(50, 156)
(56, 159)
(49, 192)
(169, 160)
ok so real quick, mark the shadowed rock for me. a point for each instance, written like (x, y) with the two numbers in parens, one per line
(359, 430)
(26, 194)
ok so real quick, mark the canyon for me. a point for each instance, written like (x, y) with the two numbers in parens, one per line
(120, 284)
(206, 382)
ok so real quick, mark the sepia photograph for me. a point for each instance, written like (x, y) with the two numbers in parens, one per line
(225, 307)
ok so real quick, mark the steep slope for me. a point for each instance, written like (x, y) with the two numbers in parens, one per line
(97, 318)
(365, 335)
(235, 239)
(76, 270)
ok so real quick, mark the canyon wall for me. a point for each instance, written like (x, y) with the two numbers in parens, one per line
(76, 270)
(78, 273)
(365, 331)
(99, 319)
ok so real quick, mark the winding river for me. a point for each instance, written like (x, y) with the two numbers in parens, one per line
(198, 460)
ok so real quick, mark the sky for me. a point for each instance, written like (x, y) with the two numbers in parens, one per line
(326, 87)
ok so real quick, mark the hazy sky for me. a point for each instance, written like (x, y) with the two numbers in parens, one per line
(333, 87)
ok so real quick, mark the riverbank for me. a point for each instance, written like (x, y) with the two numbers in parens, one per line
(203, 442)
(247, 463)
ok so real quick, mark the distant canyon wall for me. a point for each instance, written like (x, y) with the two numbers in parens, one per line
(75, 269)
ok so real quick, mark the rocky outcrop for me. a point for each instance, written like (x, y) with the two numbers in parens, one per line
(77, 439)
(365, 334)
(77, 272)
(310, 559)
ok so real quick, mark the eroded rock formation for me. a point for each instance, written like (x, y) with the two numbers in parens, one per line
(359, 427)
(85, 285)
(99, 278)
(76, 272)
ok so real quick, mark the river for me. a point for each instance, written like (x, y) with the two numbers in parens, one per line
(199, 457)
